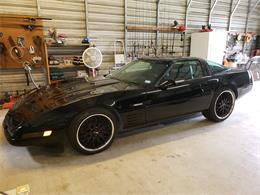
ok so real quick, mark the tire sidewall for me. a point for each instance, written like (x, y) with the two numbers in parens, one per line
(78, 120)
(212, 110)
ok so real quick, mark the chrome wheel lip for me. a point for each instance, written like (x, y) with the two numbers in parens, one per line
(231, 109)
(107, 142)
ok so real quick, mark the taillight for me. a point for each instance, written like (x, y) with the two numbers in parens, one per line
(250, 75)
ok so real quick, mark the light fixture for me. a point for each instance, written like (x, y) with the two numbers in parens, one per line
(47, 133)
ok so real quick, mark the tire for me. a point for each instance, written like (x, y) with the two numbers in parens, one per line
(93, 131)
(222, 105)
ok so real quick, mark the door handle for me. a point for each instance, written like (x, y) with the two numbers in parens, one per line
(211, 81)
(139, 104)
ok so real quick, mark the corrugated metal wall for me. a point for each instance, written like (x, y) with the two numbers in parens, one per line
(198, 15)
(254, 20)
(21, 7)
(220, 15)
(68, 16)
(106, 20)
(171, 10)
(140, 13)
(105, 25)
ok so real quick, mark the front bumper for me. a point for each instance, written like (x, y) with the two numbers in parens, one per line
(31, 137)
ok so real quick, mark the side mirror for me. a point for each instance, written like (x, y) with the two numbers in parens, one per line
(166, 84)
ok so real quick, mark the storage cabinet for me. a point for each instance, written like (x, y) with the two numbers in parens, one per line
(209, 45)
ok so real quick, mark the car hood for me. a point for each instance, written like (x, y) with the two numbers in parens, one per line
(51, 97)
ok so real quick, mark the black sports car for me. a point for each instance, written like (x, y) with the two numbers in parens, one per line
(143, 92)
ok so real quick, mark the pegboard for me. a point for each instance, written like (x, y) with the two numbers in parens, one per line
(21, 41)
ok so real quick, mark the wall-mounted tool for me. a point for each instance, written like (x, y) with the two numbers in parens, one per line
(182, 37)
(15, 52)
(37, 60)
(37, 40)
(31, 50)
(2, 48)
(32, 23)
(248, 37)
(20, 42)
(28, 74)
(175, 24)
(173, 44)
(134, 51)
(2, 54)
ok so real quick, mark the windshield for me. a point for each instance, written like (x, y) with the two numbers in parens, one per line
(141, 72)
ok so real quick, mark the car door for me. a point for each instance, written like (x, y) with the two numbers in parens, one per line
(188, 95)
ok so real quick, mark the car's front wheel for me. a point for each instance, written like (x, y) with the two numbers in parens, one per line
(222, 105)
(93, 131)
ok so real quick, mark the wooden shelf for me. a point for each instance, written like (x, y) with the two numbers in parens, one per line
(66, 50)
(61, 66)
(162, 29)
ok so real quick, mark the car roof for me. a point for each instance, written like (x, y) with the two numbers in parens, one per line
(168, 59)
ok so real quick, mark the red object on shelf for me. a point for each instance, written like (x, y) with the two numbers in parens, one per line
(56, 81)
(206, 30)
(10, 104)
(181, 28)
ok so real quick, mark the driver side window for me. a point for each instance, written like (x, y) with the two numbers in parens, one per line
(185, 70)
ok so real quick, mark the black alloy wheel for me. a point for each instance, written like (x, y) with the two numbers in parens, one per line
(222, 105)
(95, 132)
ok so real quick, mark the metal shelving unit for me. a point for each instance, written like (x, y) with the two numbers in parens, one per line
(65, 70)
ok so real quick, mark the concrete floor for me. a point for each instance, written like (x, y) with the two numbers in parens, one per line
(193, 156)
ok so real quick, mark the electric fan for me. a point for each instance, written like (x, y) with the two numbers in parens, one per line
(92, 57)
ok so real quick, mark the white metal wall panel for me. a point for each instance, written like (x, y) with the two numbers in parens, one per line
(171, 10)
(21, 7)
(239, 18)
(254, 20)
(220, 15)
(141, 13)
(105, 25)
(198, 14)
(68, 16)
(13, 80)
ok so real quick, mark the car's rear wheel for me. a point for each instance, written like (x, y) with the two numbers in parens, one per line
(222, 105)
(93, 131)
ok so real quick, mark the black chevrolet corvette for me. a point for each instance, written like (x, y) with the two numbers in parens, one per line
(144, 92)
